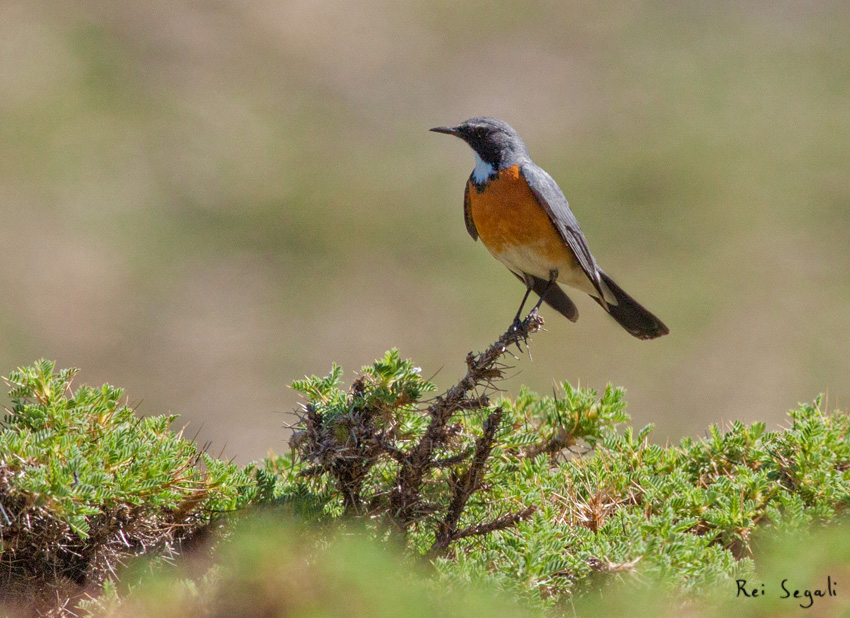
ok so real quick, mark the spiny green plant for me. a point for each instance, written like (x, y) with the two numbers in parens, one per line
(609, 504)
(548, 497)
(85, 483)
(687, 516)
(421, 467)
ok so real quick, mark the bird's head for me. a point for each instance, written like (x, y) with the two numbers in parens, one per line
(493, 140)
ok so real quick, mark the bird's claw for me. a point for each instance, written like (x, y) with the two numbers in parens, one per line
(515, 330)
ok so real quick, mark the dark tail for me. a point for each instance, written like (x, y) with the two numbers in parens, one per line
(630, 314)
(555, 297)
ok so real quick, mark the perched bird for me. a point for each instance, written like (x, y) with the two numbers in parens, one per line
(522, 217)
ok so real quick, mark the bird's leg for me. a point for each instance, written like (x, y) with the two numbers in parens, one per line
(553, 277)
(516, 321)
(529, 283)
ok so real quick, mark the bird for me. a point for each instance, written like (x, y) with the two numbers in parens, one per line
(520, 214)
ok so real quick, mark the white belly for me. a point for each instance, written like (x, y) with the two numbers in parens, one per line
(528, 259)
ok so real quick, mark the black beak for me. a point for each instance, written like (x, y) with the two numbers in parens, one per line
(446, 130)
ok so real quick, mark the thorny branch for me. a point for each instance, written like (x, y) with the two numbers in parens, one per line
(481, 369)
(466, 484)
(500, 523)
(347, 448)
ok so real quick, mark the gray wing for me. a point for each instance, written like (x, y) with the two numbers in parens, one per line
(551, 198)
(467, 215)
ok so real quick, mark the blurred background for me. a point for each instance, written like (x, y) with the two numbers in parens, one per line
(202, 201)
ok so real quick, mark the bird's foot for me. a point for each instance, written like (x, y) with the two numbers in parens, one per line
(520, 329)
(533, 321)
(515, 330)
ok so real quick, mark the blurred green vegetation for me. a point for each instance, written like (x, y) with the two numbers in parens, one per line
(216, 198)
(272, 568)
(269, 568)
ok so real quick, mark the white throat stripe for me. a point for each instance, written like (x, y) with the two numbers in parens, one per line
(482, 171)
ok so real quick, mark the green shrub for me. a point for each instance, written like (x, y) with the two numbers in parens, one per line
(414, 467)
(84, 483)
(609, 504)
(550, 499)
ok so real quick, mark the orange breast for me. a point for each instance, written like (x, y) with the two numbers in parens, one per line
(510, 223)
